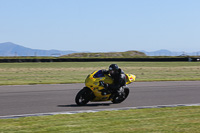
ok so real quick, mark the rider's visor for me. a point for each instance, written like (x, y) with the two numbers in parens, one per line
(111, 71)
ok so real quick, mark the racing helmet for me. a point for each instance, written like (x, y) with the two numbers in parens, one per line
(113, 68)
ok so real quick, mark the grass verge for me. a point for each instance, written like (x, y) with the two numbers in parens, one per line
(177, 119)
(76, 72)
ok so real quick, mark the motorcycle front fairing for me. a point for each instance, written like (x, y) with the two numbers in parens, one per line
(92, 82)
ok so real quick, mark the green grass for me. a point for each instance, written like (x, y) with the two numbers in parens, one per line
(76, 72)
(178, 119)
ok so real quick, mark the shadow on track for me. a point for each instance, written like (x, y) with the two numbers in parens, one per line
(87, 105)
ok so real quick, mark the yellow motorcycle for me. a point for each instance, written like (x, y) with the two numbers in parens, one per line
(93, 90)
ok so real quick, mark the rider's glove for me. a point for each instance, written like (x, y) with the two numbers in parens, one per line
(101, 83)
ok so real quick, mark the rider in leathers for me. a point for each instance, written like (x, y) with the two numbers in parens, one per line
(119, 80)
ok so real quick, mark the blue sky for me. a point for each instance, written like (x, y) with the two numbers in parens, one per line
(102, 25)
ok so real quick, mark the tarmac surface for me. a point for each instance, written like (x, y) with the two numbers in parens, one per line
(31, 99)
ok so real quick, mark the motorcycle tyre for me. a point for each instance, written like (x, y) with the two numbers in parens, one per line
(116, 98)
(83, 96)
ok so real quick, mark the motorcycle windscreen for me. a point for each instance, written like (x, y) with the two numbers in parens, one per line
(98, 74)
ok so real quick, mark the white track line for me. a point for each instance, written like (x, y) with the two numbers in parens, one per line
(95, 110)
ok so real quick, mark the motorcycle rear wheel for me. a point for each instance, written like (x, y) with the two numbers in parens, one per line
(119, 99)
(83, 96)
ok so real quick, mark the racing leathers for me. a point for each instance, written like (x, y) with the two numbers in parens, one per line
(119, 80)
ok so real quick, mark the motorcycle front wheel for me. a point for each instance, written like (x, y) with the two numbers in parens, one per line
(121, 98)
(83, 96)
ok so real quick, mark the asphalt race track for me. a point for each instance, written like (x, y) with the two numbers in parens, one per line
(30, 99)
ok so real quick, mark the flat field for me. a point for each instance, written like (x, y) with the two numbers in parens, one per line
(76, 72)
(169, 120)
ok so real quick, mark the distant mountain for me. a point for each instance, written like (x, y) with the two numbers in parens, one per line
(11, 49)
(164, 52)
